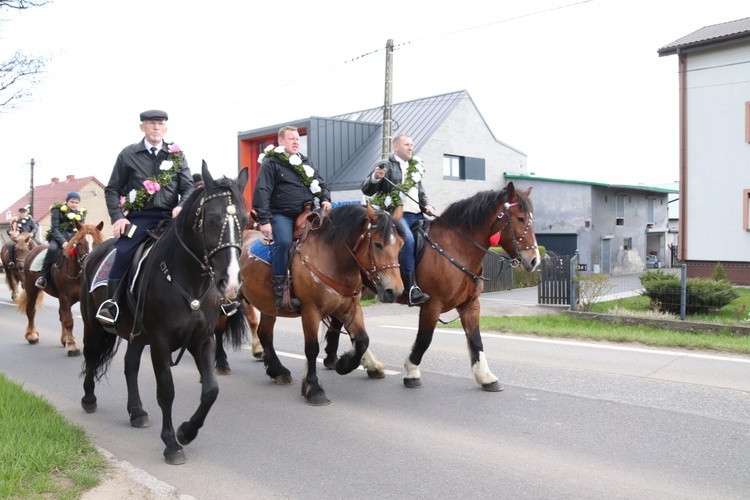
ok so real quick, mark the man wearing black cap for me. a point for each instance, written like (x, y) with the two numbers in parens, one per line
(62, 227)
(25, 224)
(134, 205)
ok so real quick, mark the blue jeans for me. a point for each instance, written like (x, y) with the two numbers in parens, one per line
(406, 256)
(282, 227)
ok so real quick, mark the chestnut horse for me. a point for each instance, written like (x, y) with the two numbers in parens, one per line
(451, 267)
(192, 270)
(64, 283)
(326, 270)
(13, 276)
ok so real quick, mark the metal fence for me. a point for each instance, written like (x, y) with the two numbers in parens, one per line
(498, 272)
(555, 286)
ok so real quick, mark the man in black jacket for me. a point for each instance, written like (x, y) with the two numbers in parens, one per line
(404, 170)
(62, 227)
(134, 202)
(287, 180)
(25, 225)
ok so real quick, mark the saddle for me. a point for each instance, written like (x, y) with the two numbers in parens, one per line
(421, 229)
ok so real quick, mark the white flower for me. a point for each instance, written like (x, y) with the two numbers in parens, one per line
(268, 148)
(295, 160)
(260, 157)
(308, 170)
(131, 196)
(416, 176)
(279, 149)
(417, 159)
(419, 168)
(71, 215)
(387, 202)
(315, 187)
(165, 165)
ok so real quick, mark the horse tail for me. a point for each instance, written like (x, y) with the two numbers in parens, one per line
(23, 299)
(107, 347)
(237, 328)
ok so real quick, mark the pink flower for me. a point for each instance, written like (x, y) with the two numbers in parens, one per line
(151, 186)
(173, 148)
(122, 200)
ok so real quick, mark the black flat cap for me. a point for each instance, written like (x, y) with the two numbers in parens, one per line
(154, 114)
(22, 209)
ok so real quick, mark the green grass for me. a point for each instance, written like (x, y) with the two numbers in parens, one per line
(42, 455)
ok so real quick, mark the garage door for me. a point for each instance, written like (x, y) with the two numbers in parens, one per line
(561, 244)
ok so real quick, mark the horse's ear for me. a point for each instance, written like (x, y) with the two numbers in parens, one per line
(527, 192)
(370, 212)
(242, 179)
(510, 189)
(100, 226)
(208, 180)
(78, 225)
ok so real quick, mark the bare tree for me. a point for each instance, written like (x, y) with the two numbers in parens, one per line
(21, 72)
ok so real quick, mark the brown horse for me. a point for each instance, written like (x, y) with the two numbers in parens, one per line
(451, 267)
(65, 283)
(326, 270)
(24, 243)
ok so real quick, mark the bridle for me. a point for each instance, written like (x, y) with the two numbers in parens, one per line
(80, 258)
(371, 272)
(505, 214)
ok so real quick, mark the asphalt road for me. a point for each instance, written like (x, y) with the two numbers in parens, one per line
(576, 419)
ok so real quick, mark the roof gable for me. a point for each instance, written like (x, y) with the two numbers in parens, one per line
(48, 194)
(709, 35)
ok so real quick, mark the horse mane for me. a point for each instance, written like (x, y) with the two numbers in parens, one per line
(221, 184)
(343, 221)
(471, 213)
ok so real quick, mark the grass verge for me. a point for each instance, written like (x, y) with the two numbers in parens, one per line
(42, 454)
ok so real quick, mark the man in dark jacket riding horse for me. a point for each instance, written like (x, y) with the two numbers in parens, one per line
(24, 224)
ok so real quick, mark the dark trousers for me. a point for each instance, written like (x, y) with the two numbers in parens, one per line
(126, 247)
(52, 253)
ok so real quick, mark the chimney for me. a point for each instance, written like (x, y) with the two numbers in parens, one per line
(55, 180)
(70, 178)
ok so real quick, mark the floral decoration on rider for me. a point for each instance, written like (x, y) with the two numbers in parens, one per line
(137, 198)
(305, 172)
(69, 225)
(390, 200)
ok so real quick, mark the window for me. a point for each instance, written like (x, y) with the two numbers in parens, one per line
(452, 167)
(746, 210)
(627, 244)
(650, 211)
(620, 210)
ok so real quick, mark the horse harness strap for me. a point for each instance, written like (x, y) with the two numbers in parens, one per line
(453, 261)
(339, 287)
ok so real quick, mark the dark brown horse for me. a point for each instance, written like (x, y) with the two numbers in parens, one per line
(14, 276)
(192, 271)
(326, 269)
(65, 283)
(450, 272)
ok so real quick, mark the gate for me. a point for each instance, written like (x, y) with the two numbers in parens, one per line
(498, 272)
(556, 279)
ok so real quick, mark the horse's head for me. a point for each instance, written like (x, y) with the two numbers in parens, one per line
(374, 239)
(515, 222)
(24, 244)
(215, 216)
(83, 242)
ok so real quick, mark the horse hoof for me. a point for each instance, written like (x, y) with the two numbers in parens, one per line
(182, 436)
(284, 380)
(318, 400)
(74, 352)
(33, 341)
(376, 374)
(493, 387)
(330, 363)
(223, 371)
(176, 457)
(413, 383)
(88, 407)
(258, 355)
(140, 422)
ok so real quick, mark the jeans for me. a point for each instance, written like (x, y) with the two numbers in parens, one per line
(282, 227)
(406, 256)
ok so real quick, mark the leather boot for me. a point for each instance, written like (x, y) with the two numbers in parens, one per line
(108, 310)
(11, 256)
(414, 294)
(279, 286)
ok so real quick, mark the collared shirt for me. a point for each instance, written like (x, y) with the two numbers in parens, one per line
(149, 146)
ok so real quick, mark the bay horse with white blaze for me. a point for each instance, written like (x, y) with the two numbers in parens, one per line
(191, 271)
(326, 268)
(451, 267)
(65, 283)
(14, 275)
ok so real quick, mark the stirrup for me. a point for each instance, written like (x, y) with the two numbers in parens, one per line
(41, 283)
(11, 265)
(422, 297)
(229, 309)
(105, 315)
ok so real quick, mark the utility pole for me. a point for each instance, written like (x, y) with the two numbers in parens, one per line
(388, 106)
(31, 191)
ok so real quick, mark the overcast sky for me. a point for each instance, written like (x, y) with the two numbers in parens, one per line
(577, 86)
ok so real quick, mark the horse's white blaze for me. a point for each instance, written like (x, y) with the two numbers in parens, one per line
(482, 372)
(90, 240)
(233, 269)
(412, 370)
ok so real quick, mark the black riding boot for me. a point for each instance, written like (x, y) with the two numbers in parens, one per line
(11, 256)
(108, 311)
(279, 285)
(41, 281)
(414, 294)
